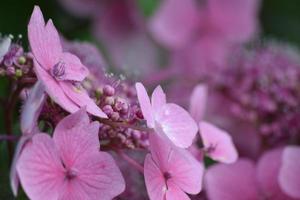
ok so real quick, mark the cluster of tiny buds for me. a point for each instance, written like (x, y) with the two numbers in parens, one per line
(120, 105)
(14, 62)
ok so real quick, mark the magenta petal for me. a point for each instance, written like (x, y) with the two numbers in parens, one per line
(155, 182)
(73, 132)
(175, 22)
(14, 178)
(32, 108)
(145, 104)
(54, 90)
(267, 175)
(74, 70)
(98, 177)
(289, 175)
(175, 193)
(176, 124)
(44, 41)
(40, 170)
(186, 172)
(218, 143)
(158, 99)
(231, 182)
(81, 98)
(198, 102)
(223, 16)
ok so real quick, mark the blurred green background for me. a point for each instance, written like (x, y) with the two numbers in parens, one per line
(279, 19)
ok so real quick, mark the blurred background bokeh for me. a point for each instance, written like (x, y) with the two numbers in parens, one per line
(279, 20)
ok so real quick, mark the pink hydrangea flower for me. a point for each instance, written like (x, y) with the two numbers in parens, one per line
(60, 72)
(29, 115)
(245, 180)
(171, 172)
(217, 143)
(167, 119)
(289, 175)
(69, 165)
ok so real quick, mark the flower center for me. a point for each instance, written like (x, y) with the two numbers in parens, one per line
(167, 176)
(70, 174)
(58, 70)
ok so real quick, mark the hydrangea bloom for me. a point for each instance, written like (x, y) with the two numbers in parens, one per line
(166, 118)
(59, 71)
(69, 165)
(171, 171)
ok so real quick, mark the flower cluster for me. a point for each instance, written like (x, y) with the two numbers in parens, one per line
(88, 133)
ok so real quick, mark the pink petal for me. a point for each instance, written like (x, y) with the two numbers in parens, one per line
(14, 178)
(145, 104)
(175, 22)
(223, 16)
(44, 41)
(40, 170)
(223, 149)
(289, 175)
(98, 177)
(74, 139)
(186, 172)
(154, 179)
(198, 102)
(32, 108)
(267, 175)
(54, 90)
(4, 46)
(82, 8)
(81, 98)
(231, 182)
(75, 70)
(175, 193)
(176, 124)
(158, 99)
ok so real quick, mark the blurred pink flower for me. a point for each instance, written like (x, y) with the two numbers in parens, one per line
(119, 25)
(171, 171)
(60, 72)
(166, 119)
(69, 165)
(201, 35)
(244, 180)
(289, 176)
(5, 43)
(217, 143)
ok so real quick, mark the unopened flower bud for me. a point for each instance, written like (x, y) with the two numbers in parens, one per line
(108, 90)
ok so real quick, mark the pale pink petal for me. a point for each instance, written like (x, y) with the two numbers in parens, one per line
(218, 143)
(267, 171)
(289, 175)
(158, 99)
(145, 104)
(54, 90)
(231, 181)
(4, 46)
(43, 42)
(198, 102)
(40, 169)
(81, 98)
(14, 178)
(74, 70)
(236, 20)
(154, 179)
(175, 193)
(74, 139)
(32, 108)
(174, 22)
(187, 172)
(176, 124)
(99, 176)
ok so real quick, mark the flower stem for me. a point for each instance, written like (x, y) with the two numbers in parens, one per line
(131, 161)
(8, 138)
